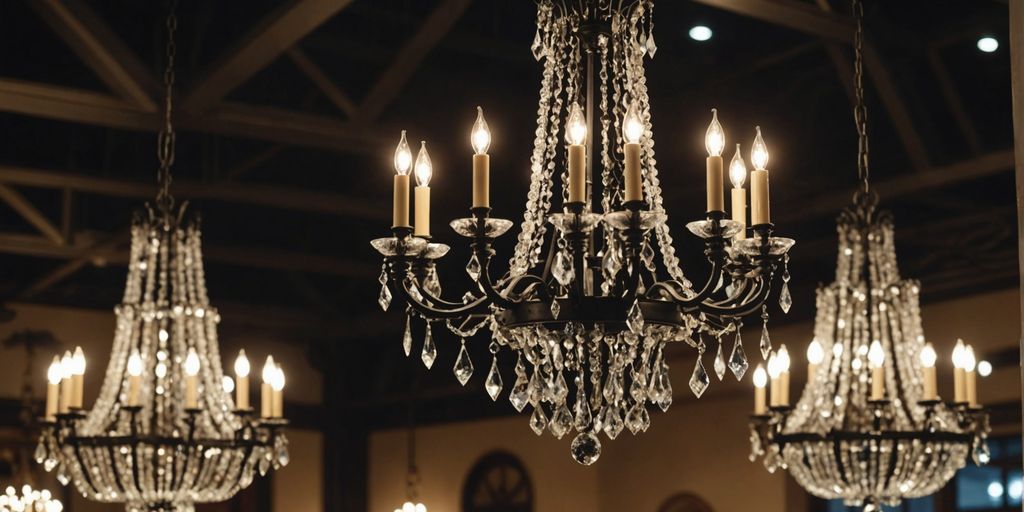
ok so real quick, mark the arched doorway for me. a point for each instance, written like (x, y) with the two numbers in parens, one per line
(498, 483)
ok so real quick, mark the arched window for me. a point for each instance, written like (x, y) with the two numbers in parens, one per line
(685, 502)
(498, 483)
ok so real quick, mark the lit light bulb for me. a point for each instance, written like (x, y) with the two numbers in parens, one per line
(403, 156)
(424, 167)
(773, 366)
(242, 367)
(54, 373)
(714, 138)
(984, 368)
(481, 136)
(78, 362)
(408, 507)
(876, 356)
(632, 125)
(135, 364)
(421, 507)
(928, 356)
(228, 383)
(760, 377)
(837, 350)
(192, 362)
(958, 354)
(737, 169)
(783, 359)
(988, 44)
(278, 383)
(576, 126)
(970, 362)
(815, 352)
(269, 369)
(66, 365)
(759, 152)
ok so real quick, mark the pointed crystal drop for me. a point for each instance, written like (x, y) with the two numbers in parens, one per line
(473, 267)
(246, 478)
(634, 421)
(40, 454)
(766, 343)
(493, 383)
(647, 255)
(981, 454)
(49, 464)
(563, 268)
(63, 477)
(561, 422)
(738, 359)
(407, 338)
(264, 466)
(429, 353)
(520, 394)
(555, 309)
(586, 448)
(720, 362)
(385, 297)
(537, 47)
(463, 365)
(666, 398)
(583, 416)
(785, 299)
(699, 381)
(652, 48)
(559, 389)
(635, 319)
(610, 264)
(383, 278)
(536, 389)
(613, 423)
(538, 421)
(283, 458)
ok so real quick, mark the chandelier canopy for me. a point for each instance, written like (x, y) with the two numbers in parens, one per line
(164, 432)
(588, 307)
(869, 427)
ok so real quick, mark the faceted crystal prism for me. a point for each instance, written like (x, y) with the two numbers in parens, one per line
(562, 269)
(538, 421)
(785, 299)
(407, 337)
(583, 416)
(637, 419)
(555, 309)
(635, 319)
(650, 46)
(429, 353)
(473, 267)
(738, 358)
(537, 47)
(385, 297)
(613, 423)
(719, 362)
(493, 383)
(766, 343)
(586, 448)
(561, 422)
(520, 394)
(463, 365)
(699, 381)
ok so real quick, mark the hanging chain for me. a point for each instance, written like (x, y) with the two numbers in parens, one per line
(864, 195)
(166, 138)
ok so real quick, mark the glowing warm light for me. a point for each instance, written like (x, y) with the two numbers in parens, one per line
(228, 383)
(737, 169)
(714, 138)
(269, 369)
(995, 490)
(759, 152)
(66, 365)
(424, 167)
(421, 507)
(632, 125)
(984, 368)
(242, 367)
(700, 33)
(163, 335)
(480, 138)
(928, 356)
(78, 362)
(958, 354)
(135, 364)
(783, 359)
(815, 352)
(192, 362)
(54, 373)
(876, 356)
(760, 377)
(403, 156)
(576, 126)
(773, 366)
(408, 507)
(837, 350)
(970, 362)
(988, 44)
(278, 383)
(1016, 489)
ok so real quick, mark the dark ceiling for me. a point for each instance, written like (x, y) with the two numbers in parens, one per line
(289, 114)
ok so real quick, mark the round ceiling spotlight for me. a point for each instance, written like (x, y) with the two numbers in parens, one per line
(984, 368)
(702, 33)
(986, 44)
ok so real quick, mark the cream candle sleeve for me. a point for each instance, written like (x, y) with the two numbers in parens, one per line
(578, 173)
(760, 407)
(784, 389)
(739, 210)
(52, 397)
(634, 184)
(422, 212)
(930, 391)
(242, 392)
(191, 392)
(878, 383)
(716, 191)
(400, 217)
(481, 181)
(77, 390)
(266, 400)
(278, 403)
(759, 202)
(971, 388)
(958, 386)
(65, 394)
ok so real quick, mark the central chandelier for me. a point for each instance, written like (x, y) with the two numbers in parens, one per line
(164, 432)
(588, 307)
(870, 428)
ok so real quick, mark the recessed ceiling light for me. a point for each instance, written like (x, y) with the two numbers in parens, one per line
(985, 44)
(984, 368)
(702, 33)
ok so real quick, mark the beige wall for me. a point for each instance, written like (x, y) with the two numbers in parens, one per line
(699, 446)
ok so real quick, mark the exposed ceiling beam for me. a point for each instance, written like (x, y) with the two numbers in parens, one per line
(24, 207)
(271, 196)
(320, 79)
(790, 14)
(909, 182)
(277, 32)
(956, 105)
(410, 57)
(100, 49)
(107, 248)
(261, 123)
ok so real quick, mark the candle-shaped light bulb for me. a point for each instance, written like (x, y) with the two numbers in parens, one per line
(576, 126)
(78, 362)
(241, 384)
(277, 386)
(191, 368)
(815, 352)
(632, 125)
(54, 373)
(134, 377)
(970, 362)
(421, 507)
(876, 360)
(928, 356)
(267, 390)
(135, 364)
(714, 138)
(192, 363)
(269, 370)
(876, 356)
(408, 507)
(959, 377)
(958, 354)
(228, 384)
(760, 377)
(970, 376)
(737, 169)
(481, 135)
(242, 367)
(783, 359)
(773, 366)
(278, 382)
(759, 152)
(424, 167)
(403, 156)
(53, 377)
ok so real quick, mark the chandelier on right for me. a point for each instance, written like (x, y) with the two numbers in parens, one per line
(869, 428)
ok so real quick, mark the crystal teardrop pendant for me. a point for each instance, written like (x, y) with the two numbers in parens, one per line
(429, 353)
(583, 416)
(537, 47)
(473, 267)
(561, 422)
(766, 342)
(493, 383)
(563, 269)
(719, 362)
(738, 358)
(699, 381)
(407, 337)
(635, 319)
(538, 421)
(520, 394)
(652, 48)
(385, 297)
(463, 365)
(613, 423)
(785, 299)
(555, 309)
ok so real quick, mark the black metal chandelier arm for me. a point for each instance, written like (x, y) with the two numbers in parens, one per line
(487, 285)
(523, 286)
(763, 290)
(431, 312)
(748, 291)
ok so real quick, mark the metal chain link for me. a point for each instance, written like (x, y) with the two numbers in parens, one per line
(864, 196)
(166, 138)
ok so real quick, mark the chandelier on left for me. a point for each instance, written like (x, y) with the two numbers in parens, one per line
(164, 432)
(587, 308)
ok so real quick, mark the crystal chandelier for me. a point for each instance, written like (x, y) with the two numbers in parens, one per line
(30, 500)
(869, 428)
(412, 478)
(164, 432)
(588, 307)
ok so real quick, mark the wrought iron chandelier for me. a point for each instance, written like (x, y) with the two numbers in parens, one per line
(164, 432)
(869, 428)
(587, 308)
